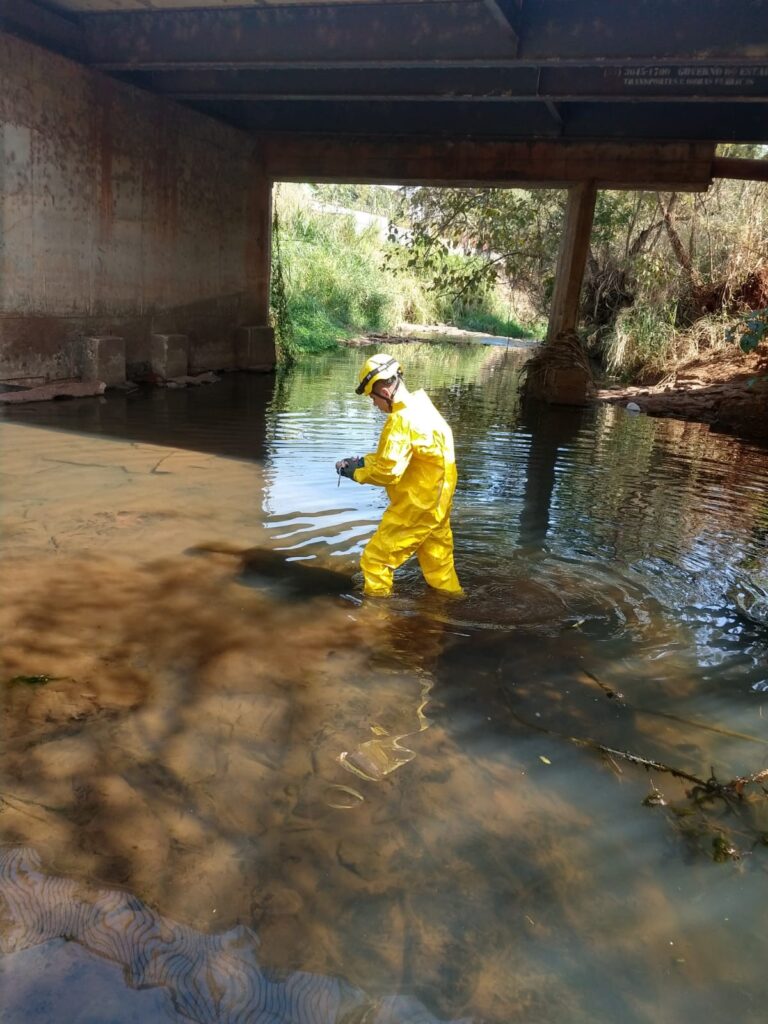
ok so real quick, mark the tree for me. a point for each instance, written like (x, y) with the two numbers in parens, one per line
(682, 255)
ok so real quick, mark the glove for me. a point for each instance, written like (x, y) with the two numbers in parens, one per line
(347, 467)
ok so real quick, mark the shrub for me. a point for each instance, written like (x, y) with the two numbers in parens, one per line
(646, 343)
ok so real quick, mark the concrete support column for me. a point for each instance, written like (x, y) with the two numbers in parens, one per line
(572, 258)
(258, 249)
(255, 338)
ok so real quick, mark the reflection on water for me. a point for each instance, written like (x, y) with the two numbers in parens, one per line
(211, 979)
(209, 737)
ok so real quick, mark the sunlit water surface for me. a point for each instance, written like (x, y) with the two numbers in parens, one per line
(230, 794)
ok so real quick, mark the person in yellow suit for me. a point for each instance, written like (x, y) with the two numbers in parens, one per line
(415, 463)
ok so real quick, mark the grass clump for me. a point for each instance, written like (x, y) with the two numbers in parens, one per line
(335, 285)
(489, 319)
(647, 343)
(641, 342)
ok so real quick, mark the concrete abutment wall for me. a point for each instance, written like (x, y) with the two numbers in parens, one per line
(121, 214)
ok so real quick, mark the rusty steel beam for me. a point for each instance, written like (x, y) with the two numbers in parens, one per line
(506, 13)
(504, 82)
(680, 166)
(732, 122)
(737, 122)
(461, 119)
(43, 26)
(707, 30)
(734, 167)
(315, 35)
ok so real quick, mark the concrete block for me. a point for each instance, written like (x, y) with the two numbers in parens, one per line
(211, 350)
(255, 348)
(169, 355)
(102, 358)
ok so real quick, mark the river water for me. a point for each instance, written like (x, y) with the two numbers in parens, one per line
(233, 791)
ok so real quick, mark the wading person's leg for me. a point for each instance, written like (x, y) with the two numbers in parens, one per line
(388, 548)
(435, 556)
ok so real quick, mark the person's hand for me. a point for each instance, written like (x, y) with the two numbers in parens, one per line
(347, 467)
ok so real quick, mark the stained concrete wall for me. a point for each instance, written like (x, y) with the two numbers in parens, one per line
(120, 213)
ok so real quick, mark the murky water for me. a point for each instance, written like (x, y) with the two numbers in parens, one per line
(232, 792)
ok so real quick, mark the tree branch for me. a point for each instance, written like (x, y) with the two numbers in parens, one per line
(682, 257)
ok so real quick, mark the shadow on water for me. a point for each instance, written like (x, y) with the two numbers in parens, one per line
(257, 566)
(227, 418)
(268, 802)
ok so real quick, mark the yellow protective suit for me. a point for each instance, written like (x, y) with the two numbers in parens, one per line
(415, 462)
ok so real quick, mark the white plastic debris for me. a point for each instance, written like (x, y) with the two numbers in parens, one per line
(633, 407)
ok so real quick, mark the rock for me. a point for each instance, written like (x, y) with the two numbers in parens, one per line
(63, 389)
(200, 378)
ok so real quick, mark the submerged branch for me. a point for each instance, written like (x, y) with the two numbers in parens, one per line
(702, 788)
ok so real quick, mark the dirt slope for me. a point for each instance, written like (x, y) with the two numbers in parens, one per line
(727, 389)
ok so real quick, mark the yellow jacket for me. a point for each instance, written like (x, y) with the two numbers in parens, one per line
(414, 461)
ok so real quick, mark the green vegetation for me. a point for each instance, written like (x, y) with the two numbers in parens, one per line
(750, 330)
(492, 322)
(332, 280)
(669, 275)
(641, 340)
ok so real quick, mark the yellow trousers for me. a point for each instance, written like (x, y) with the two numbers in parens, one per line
(394, 543)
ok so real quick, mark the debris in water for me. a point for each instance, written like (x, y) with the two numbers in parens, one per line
(654, 799)
(376, 759)
(343, 798)
(723, 850)
(40, 680)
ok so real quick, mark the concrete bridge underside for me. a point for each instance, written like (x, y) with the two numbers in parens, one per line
(139, 142)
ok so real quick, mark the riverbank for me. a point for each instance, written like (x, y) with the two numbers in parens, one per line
(727, 389)
(437, 334)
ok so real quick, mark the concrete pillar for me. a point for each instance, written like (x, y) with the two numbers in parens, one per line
(169, 355)
(255, 348)
(258, 249)
(572, 259)
(102, 358)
